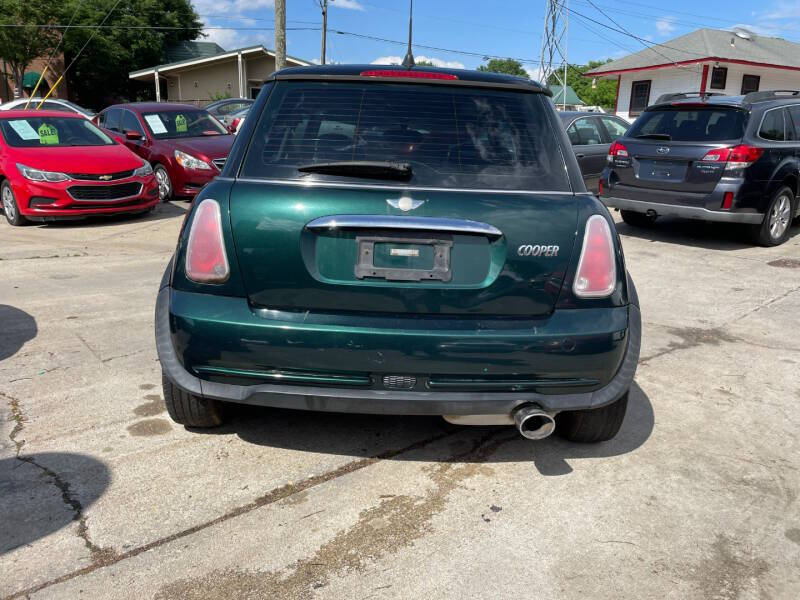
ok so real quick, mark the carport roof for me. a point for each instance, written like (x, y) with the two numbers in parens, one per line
(206, 60)
(706, 45)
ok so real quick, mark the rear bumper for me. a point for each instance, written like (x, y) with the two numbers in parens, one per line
(686, 212)
(422, 401)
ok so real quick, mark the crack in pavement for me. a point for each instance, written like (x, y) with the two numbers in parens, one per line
(67, 497)
(766, 303)
(107, 557)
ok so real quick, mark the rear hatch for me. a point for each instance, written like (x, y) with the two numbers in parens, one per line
(404, 198)
(666, 146)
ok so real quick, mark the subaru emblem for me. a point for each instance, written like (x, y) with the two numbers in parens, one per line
(663, 149)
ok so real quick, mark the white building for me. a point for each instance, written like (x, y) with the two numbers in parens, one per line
(706, 60)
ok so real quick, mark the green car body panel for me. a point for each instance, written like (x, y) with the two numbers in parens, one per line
(294, 325)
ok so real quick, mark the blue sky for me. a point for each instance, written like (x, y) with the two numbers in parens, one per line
(512, 28)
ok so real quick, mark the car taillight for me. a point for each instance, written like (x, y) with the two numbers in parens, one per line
(596, 276)
(617, 150)
(234, 123)
(738, 157)
(411, 74)
(727, 201)
(206, 259)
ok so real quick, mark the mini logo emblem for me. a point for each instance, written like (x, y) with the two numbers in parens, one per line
(404, 203)
(663, 149)
(104, 177)
(537, 250)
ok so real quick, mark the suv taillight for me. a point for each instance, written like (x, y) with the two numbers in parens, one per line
(737, 157)
(596, 276)
(617, 150)
(206, 259)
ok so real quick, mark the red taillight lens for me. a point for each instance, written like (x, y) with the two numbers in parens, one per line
(234, 123)
(596, 276)
(617, 150)
(412, 74)
(727, 201)
(206, 259)
(738, 157)
(717, 155)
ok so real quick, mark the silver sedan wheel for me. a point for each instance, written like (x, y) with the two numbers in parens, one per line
(164, 185)
(780, 216)
(8, 204)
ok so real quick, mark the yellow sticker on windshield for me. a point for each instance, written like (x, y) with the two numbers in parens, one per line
(48, 134)
(180, 124)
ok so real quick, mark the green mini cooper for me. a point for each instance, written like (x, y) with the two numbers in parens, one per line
(401, 241)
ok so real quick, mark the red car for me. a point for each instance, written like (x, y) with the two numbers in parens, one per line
(57, 165)
(185, 145)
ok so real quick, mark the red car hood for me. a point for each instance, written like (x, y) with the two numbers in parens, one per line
(78, 159)
(212, 146)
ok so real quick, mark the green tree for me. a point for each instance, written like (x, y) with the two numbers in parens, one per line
(508, 66)
(604, 92)
(19, 46)
(100, 73)
(423, 63)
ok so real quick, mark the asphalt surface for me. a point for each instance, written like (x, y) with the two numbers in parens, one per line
(102, 496)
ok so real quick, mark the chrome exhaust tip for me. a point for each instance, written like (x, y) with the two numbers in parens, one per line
(534, 423)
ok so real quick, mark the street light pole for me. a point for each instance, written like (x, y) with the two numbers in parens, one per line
(324, 6)
(280, 34)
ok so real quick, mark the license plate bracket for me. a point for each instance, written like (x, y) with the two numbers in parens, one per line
(365, 264)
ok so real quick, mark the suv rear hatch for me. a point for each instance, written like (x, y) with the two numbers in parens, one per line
(666, 147)
(404, 198)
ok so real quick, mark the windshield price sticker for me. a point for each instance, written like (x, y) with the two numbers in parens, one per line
(180, 124)
(48, 135)
(155, 124)
(24, 130)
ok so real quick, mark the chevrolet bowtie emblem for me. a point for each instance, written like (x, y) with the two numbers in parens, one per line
(104, 177)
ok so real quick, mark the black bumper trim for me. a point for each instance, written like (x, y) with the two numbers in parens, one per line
(686, 212)
(396, 402)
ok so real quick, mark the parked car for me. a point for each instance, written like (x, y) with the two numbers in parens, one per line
(401, 241)
(734, 159)
(222, 109)
(235, 121)
(185, 145)
(591, 135)
(50, 104)
(58, 165)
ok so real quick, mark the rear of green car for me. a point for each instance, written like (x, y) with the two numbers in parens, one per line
(401, 242)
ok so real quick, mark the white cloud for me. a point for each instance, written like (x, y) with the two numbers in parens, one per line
(665, 26)
(350, 4)
(213, 13)
(534, 73)
(437, 62)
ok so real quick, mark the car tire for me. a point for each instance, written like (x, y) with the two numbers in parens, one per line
(637, 219)
(10, 206)
(774, 229)
(164, 183)
(190, 410)
(591, 426)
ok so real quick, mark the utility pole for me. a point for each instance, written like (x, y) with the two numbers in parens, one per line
(554, 46)
(280, 34)
(323, 4)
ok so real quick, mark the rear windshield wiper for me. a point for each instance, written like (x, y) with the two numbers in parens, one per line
(361, 168)
(654, 136)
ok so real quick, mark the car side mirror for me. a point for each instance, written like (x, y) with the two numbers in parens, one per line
(133, 136)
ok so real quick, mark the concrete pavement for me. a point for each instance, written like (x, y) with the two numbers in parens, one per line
(101, 496)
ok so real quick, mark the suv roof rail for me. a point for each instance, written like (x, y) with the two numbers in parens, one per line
(768, 95)
(683, 95)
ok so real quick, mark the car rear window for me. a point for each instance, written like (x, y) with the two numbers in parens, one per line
(690, 125)
(452, 136)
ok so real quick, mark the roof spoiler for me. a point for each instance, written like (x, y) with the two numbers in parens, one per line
(753, 97)
(685, 95)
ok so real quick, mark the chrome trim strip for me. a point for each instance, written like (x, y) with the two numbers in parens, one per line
(401, 188)
(402, 222)
(113, 201)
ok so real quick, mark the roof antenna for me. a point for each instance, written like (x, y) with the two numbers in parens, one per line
(408, 61)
